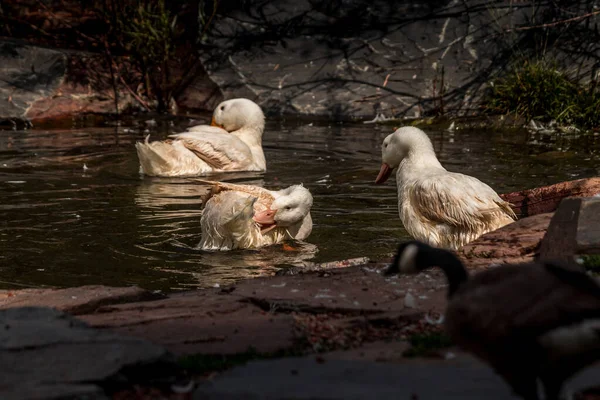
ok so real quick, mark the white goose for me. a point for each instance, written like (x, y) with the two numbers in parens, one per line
(233, 142)
(441, 208)
(247, 217)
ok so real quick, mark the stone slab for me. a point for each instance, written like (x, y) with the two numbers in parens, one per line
(546, 199)
(199, 322)
(574, 229)
(47, 354)
(77, 300)
(314, 378)
(272, 314)
(518, 242)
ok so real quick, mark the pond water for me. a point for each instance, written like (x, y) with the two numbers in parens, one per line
(75, 210)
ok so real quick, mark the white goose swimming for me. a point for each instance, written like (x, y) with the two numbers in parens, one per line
(233, 142)
(247, 217)
(441, 208)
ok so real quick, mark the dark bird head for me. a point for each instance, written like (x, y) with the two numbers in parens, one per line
(411, 258)
(414, 256)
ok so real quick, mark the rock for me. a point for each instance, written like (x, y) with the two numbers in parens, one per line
(547, 198)
(574, 230)
(37, 83)
(273, 314)
(77, 300)
(46, 354)
(514, 243)
(361, 59)
(28, 74)
(204, 321)
(462, 378)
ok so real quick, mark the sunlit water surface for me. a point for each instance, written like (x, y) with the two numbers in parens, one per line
(64, 224)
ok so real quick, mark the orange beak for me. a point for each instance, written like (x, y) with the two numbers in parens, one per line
(384, 173)
(214, 123)
(266, 220)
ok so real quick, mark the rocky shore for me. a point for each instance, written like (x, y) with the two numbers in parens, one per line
(341, 313)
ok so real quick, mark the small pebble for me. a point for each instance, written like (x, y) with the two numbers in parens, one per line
(409, 301)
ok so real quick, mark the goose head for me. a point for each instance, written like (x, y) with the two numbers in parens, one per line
(404, 142)
(236, 114)
(414, 256)
(289, 208)
(411, 258)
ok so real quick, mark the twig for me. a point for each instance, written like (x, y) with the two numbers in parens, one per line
(386, 80)
(138, 98)
(207, 24)
(110, 60)
(564, 21)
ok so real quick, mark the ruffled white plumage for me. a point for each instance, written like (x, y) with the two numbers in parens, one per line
(227, 219)
(441, 208)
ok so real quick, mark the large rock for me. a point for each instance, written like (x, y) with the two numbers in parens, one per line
(77, 300)
(37, 83)
(358, 58)
(514, 243)
(574, 230)
(274, 314)
(27, 74)
(461, 378)
(46, 354)
(546, 199)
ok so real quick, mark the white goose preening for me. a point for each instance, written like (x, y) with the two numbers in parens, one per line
(247, 217)
(529, 321)
(441, 208)
(233, 142)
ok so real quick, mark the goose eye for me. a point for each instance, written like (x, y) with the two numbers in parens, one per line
(222, 108)
(288, 208)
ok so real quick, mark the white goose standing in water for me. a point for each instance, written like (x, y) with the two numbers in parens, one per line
(441, 208)
(233, 142)
(249, 217)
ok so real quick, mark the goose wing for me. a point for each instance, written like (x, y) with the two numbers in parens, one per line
(570, 296)
(526, 301)
(457, 200)
(217, 147)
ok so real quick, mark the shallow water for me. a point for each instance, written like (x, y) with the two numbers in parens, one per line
(64, 224)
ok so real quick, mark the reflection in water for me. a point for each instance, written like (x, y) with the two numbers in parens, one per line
(67, 225)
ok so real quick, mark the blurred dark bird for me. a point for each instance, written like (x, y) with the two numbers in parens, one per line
(531, 322)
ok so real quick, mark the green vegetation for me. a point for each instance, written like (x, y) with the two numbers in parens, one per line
(591, 263)
(427, 343)
(541, 91)
(147, 31)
